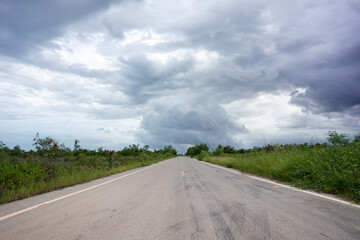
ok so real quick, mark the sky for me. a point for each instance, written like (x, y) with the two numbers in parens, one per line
(242, 73)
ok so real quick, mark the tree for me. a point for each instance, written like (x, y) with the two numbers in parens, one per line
(48, 147)
(218, 151)
(357, 138)
(2, 145)
(45, 144)
(2, 151)
(195, 150)
(145, 148)
(76, 145)
(132, 150)
(338, 139)
(170, 149)
(17, 151)
(229, 149)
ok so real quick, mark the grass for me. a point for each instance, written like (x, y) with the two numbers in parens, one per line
(330, 169)
(32, 174)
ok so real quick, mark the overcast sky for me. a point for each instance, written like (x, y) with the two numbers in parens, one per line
(240, 73)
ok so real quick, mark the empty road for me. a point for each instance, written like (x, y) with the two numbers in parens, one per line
(180, 198)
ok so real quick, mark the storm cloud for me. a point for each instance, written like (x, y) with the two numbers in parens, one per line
(242, 73)
(190, 125)
(27, 25)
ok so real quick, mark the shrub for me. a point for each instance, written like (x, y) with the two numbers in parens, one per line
(193, 151)
(229, 149)
(202, 155)
(170, 150)
(218, 151)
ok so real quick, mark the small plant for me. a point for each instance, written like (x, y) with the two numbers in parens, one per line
(110, 158)
(229, 164)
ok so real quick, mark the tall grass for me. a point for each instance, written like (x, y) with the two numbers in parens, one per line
(32, 188)
(52, 166)
(331, 169)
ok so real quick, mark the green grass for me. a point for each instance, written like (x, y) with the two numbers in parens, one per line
(331, 169)
(29, 178)
(53, 166)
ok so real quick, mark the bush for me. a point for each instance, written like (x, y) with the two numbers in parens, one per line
(202, 155)
(218, 151)
(13, 176)
(196, 150)
(170, 150)
(229, 149)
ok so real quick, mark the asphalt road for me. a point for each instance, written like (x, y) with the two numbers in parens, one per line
(182, 199)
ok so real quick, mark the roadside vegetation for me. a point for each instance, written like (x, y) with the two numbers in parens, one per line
(332, 167)
(53, 166)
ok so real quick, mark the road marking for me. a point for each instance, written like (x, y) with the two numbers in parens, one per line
(283, 185)
(74, 193)
(182, 173)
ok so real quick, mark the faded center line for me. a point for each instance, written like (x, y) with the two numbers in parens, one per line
(182, 173)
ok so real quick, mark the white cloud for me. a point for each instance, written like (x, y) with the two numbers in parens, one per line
(147, 37)
(271, 118)
(83, 50)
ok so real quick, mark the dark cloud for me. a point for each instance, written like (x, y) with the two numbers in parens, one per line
(184, 124)
(330, 87)
(142, 79)
(26, 25)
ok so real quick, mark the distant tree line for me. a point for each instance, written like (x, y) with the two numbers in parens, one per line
(51, 148)
(334, 139)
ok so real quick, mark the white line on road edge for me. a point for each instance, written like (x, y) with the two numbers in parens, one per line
(72, 194)
(283, 185)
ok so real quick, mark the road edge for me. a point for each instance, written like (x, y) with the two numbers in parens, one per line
(10, 215)
(282, 184)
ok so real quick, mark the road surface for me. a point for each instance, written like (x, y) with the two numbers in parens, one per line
(180, 198)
